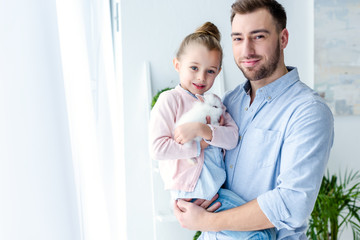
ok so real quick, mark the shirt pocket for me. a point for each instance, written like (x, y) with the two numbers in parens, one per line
(262, 146)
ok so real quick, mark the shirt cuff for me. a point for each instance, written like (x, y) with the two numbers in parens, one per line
(198, 148)
(212, 133)
(272, 205)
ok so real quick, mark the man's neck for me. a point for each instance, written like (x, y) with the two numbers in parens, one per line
(256, 84)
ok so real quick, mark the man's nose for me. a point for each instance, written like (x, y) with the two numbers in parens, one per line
(248, 48)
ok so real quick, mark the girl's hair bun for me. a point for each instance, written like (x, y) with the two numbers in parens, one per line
(209, 28)
(207, 35)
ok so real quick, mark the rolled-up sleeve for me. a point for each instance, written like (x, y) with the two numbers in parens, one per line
(304, 154)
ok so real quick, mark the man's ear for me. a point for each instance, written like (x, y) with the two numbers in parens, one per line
(176, 63)
(284, 38)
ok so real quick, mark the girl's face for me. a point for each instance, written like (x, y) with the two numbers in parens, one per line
(198, 68)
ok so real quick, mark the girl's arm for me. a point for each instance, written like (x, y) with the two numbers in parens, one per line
(225, 136)
(161, 128)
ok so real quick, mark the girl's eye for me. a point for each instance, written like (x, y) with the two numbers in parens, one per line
(211, 71)
(194, 68)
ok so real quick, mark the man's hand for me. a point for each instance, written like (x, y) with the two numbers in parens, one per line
(195, 215)
(190, 215)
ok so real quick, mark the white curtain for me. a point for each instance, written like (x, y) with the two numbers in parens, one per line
(93, 96)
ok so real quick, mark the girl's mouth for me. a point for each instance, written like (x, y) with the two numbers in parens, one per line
(198, 86)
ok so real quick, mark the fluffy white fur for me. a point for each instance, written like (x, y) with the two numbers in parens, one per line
(208, 105)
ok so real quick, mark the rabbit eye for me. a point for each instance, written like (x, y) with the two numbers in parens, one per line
(215, 106)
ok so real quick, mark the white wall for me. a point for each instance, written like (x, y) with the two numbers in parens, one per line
(346, 149)
(345, 154)
(152, 31)
(37, 193)
(300, 49)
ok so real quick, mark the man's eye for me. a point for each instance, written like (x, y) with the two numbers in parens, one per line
(259, 37)
(237, 39)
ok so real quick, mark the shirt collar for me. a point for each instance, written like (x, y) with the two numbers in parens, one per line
(188, 92)
(275, 88)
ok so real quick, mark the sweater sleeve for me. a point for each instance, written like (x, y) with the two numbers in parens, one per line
(161, 131)
(225, 136)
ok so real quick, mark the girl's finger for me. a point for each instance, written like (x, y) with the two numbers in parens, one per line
(214, 207)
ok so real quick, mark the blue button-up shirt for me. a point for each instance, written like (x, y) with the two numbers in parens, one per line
(284, 145)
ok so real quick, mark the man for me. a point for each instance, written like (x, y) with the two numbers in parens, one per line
(286, 133)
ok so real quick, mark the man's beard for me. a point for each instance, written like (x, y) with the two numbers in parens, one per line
(266, 70)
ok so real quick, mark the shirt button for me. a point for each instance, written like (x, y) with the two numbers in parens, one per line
(246, 109)
(269, 98)
(231, 166)
(239, 138)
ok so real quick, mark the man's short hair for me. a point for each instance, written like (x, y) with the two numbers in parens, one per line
(276, 10)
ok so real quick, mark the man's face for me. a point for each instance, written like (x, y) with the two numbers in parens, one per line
(256, 45)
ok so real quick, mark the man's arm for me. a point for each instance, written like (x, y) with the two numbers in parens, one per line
(248, 217)
(305, 152)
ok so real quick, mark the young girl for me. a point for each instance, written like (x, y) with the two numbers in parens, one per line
(198, 62)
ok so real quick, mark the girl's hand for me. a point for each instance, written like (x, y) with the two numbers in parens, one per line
(186, 132)
(206, 203)
(203, 144)
(221, 120)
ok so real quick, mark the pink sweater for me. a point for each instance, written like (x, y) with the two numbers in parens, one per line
(178, 173)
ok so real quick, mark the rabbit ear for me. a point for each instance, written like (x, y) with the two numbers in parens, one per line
(200, 97)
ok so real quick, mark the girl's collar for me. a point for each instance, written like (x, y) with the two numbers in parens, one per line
(188, 91)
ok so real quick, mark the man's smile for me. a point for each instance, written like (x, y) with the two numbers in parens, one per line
(249, 63)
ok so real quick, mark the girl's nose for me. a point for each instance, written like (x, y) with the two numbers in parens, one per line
(201, 76)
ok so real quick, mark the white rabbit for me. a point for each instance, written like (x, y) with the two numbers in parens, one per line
(208, 105)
